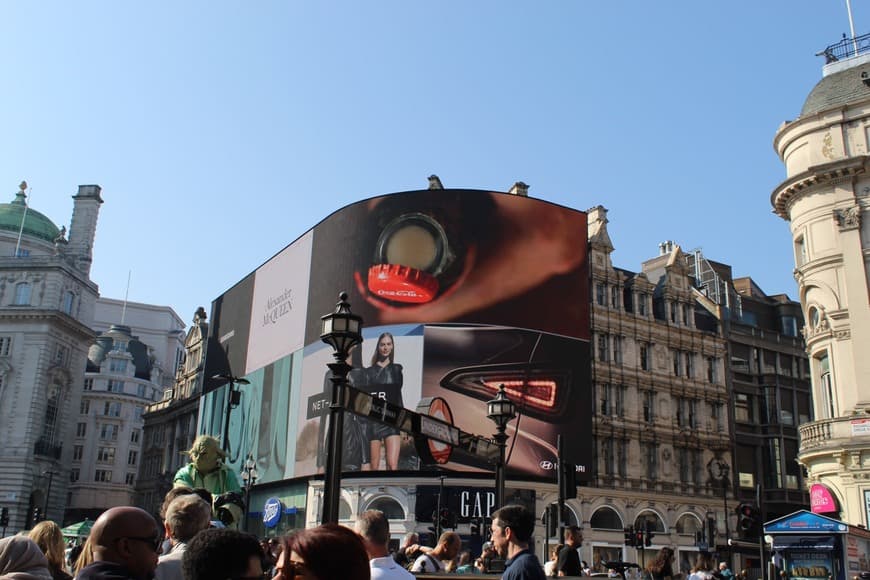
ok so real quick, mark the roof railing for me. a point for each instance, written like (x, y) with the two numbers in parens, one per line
(846, 48)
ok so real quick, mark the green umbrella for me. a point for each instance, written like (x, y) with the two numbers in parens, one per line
(78, 530)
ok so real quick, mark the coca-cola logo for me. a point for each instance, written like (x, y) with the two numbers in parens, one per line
(272, 512)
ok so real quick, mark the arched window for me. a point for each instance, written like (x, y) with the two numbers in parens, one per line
(689, 524)
(606, 518)
(343, 510)
(391, 508)
(656, 523)
(22, 294)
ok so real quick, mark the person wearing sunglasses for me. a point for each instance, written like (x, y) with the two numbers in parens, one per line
(125, 543)
(326, 552)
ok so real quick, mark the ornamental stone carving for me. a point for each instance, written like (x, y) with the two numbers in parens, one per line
(848, 218)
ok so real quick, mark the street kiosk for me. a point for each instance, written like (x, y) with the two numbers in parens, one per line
(808, 546)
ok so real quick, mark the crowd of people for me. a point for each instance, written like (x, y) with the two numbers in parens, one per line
(128, 543)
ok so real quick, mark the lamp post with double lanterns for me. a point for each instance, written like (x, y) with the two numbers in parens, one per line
(500, 410)
(234, 397)
(249, 480)
(342, 330)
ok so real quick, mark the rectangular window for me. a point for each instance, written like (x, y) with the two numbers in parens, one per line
(800, 251)
(140, 391)
(22, 294)
(106, 455)
(138, 410)
(608, 456)
(649, 406)
(85, 407)
(712, 372)
(674, 307)
(651, 457)
(61, 355)
(118, 365)
(718, 419)
(74, 474)
(601, 294)
(614, 297)
(743, 408)
(5, 345)
(132, 457)
(112, 409)
(622, 457)
(606, 399)
(114, 386)
(89, 384)
(641, 303)
(676, 357)
(103, 475)
(683, 461)
(78, 451)
(687, 315)
(603, 347)
(827, 387)
(81, 429)
(789, 326)
(131, 478)
(690, 364)
(108, 432)
(67, 304)
(134, 436)
(645, 357)
(617, 349)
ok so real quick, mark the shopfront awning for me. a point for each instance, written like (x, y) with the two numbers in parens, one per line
(804, 542)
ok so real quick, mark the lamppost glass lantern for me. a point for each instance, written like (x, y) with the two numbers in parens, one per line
(341, 329)
(249, 480)
(500, 410)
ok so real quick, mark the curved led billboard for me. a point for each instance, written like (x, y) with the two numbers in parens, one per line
(460, 291)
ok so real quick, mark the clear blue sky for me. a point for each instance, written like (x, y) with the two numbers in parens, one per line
(221, 131)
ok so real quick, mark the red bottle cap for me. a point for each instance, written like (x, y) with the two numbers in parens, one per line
(402, 284)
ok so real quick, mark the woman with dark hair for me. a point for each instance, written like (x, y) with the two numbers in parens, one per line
(323, 553)
(384, 380)
(661, 568)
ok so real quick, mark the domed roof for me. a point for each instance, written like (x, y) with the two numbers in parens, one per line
(838, 89)
(35, 224)
(120, 334)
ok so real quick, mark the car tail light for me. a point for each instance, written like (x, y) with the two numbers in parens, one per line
(535, 391)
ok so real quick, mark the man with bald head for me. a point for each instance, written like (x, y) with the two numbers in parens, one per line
(125, 542)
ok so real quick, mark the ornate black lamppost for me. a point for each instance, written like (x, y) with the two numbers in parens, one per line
(719, 471)
(342, 330)
(234, 397)
(249, 479)
(500, 410)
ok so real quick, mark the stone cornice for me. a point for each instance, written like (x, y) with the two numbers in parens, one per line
(25, 314)
(815, 177)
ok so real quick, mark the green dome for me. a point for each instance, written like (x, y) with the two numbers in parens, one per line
(35, 224)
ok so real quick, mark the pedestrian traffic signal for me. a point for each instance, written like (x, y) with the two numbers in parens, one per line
(638, 538)
(444, 518)
(4, 517)
(629, 536)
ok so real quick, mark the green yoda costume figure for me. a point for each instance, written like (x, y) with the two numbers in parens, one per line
(207, 470)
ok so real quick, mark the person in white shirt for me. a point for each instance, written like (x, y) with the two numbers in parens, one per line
(436, 559)
(373, 527)
(186, 516)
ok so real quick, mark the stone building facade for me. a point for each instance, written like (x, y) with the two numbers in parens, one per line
(46, 307)
(170, 423)
(825, 197)
(130, 365)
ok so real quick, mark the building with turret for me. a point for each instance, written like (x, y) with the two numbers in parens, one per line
(130, 365)
(46, 308)
(824, 198)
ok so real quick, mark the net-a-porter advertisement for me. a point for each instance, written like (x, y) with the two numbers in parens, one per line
(460, 291)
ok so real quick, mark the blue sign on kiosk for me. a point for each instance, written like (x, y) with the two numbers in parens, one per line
(272, 512)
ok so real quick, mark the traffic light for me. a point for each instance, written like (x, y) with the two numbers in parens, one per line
(629, 536)
(4, 517)
(747, 518)
(444, 518)
(649, 534)
(638, 538)
(37, 515)
(711, 531)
